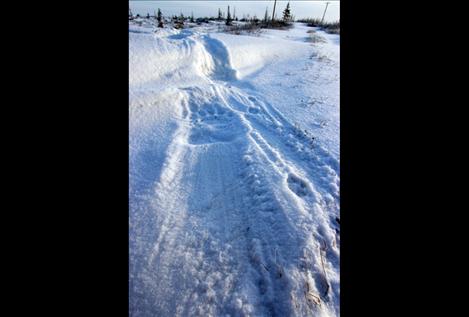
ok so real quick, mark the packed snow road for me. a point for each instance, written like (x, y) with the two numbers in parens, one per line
(234, 173)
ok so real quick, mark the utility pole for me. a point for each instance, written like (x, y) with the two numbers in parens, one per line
(273, 13)
(327, 3)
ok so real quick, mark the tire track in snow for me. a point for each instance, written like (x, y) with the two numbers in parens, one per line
(322, 165)
(211, 166)
(310, 201)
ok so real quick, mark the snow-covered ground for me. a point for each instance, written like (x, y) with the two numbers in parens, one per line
(234, 173)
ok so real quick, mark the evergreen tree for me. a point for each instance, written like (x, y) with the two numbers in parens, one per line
(192, 17)
(287, 13)
(159, 18)
(131, 16)
(148, 15)
(220, 17)
(229, 20)
(266, 16)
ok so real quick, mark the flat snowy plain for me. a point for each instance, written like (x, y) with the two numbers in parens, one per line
(234, 172)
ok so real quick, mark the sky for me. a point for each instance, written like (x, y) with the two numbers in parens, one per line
(299, 9)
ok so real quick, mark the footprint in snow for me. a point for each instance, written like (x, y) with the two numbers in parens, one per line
(213, 124)
(297, 185)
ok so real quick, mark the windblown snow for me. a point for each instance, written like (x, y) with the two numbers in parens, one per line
(234, 173)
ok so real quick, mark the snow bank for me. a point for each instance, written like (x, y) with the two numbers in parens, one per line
(164, 57)
(249, 54)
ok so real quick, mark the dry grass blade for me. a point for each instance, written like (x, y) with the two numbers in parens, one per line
(311, 297)
(324, 249)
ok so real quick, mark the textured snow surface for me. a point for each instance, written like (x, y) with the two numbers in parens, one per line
(234, 173)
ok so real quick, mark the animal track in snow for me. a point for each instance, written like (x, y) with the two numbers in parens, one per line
(212, 122)
(297, 185)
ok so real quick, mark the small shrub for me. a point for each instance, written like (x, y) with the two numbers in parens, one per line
(178, 25)
(249, 28)
(310, 21)
(329, 27)
(201, 20)
(315, 38)
(277, 24)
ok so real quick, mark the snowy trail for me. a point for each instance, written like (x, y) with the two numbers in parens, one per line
(237, 218)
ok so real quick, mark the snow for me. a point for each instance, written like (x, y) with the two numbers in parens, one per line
(234, 173)
(250, 53)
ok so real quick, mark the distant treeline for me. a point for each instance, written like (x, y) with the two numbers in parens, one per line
(227, 18)
(252, 23)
